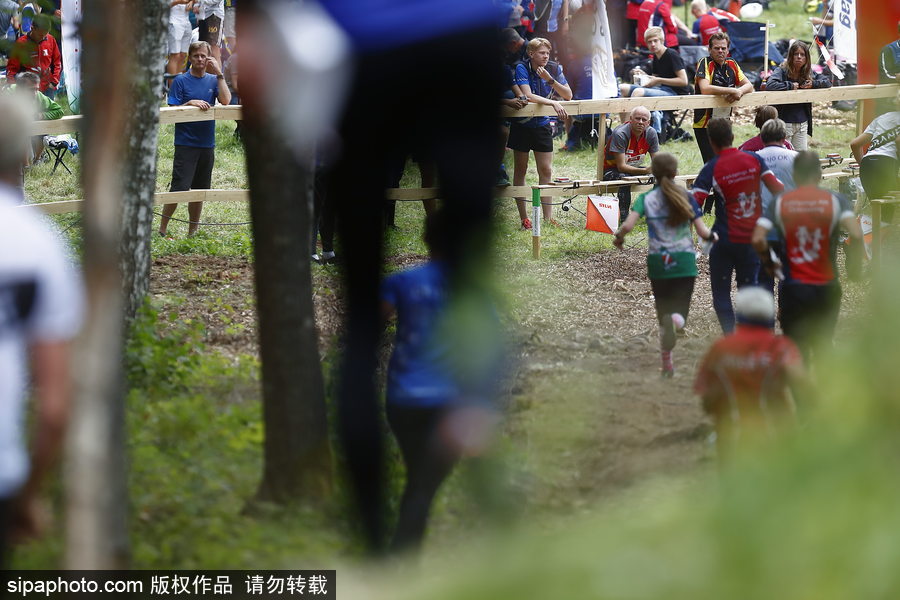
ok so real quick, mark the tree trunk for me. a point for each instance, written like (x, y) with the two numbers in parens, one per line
(142, 135)
(96, 521)
(297, 454)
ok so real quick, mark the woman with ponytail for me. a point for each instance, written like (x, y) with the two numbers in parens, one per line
(671, 256)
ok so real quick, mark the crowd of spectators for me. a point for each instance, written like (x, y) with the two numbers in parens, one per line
(657, 54)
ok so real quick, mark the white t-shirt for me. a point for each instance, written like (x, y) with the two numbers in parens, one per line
(179, 16)
(41, 300)
(884, 131)
(781, 162)
(212, 8)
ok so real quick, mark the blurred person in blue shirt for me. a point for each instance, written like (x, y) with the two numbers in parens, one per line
(401, 45)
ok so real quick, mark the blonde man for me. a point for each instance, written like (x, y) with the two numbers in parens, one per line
(195, 142)
(667, 77)
(539, 78)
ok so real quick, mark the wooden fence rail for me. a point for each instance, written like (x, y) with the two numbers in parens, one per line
(187, 114)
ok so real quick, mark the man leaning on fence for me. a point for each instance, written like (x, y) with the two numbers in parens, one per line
(195, 142)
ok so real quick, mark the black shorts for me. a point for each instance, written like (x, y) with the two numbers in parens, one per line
(211, 30)
(809, 313)
(192, 168)
(525, 139)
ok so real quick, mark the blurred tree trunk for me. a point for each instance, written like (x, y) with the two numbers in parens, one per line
(142, 135)
(96, 511)
(297, 454)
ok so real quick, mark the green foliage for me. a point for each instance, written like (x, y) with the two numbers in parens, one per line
(195, 447)
(810, 514)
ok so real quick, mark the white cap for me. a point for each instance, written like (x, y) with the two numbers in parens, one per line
(752, 10)
(754, 304)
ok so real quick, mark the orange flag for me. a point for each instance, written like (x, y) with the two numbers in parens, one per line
(602, 214)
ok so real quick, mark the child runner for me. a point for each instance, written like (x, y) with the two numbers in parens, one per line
(671, 257)
(745, 377)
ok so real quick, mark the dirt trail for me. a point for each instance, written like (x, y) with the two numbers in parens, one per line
(590, 401)
(588, 405)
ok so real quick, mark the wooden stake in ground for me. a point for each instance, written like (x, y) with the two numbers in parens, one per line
(97, 496)
(536, 223)
(766, 27)
(601, 147)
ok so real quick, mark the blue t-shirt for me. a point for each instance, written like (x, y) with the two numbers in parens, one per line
(200, 134)
(380, 24)
(419, 373)
(525, 75)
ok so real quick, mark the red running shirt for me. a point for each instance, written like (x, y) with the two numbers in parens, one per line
(736, 176)
(809, 221)
(745, 374)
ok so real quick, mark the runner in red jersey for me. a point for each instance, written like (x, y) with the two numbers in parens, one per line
(736, 178)
(746, 378)
(809, 220)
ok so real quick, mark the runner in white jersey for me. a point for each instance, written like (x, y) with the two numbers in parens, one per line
(40, 311)
(780, 161)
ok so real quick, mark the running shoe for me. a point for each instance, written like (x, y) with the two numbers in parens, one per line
(526, 223)
(553, 222)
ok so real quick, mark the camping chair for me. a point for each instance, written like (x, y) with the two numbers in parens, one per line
(748, 46)
(58, 146)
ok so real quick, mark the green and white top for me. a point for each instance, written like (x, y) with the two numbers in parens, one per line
(671, 253)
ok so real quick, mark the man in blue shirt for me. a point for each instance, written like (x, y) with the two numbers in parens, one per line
(195, 142)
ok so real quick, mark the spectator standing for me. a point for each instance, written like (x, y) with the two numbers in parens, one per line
(825, 23)
(736, 176)
(657, 13)
(631, 19)
(195, 142)
(878, 166)
(889, 61)
(538, 79)
(42, 304)
(179, 37)
(717, 75)
(667, 74)
(809, 220)
(8, 19)
(555, 27)
(888, 71)
(671, 258)
(780, 161)
(210, 17)
(625, 149)
(709, 20)
(512, 45)
(232, 79)
(38, 52)
(747, 378)
(795, 73)
(579, 127)
(228, 26)
(763, 115)
(706, 23)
